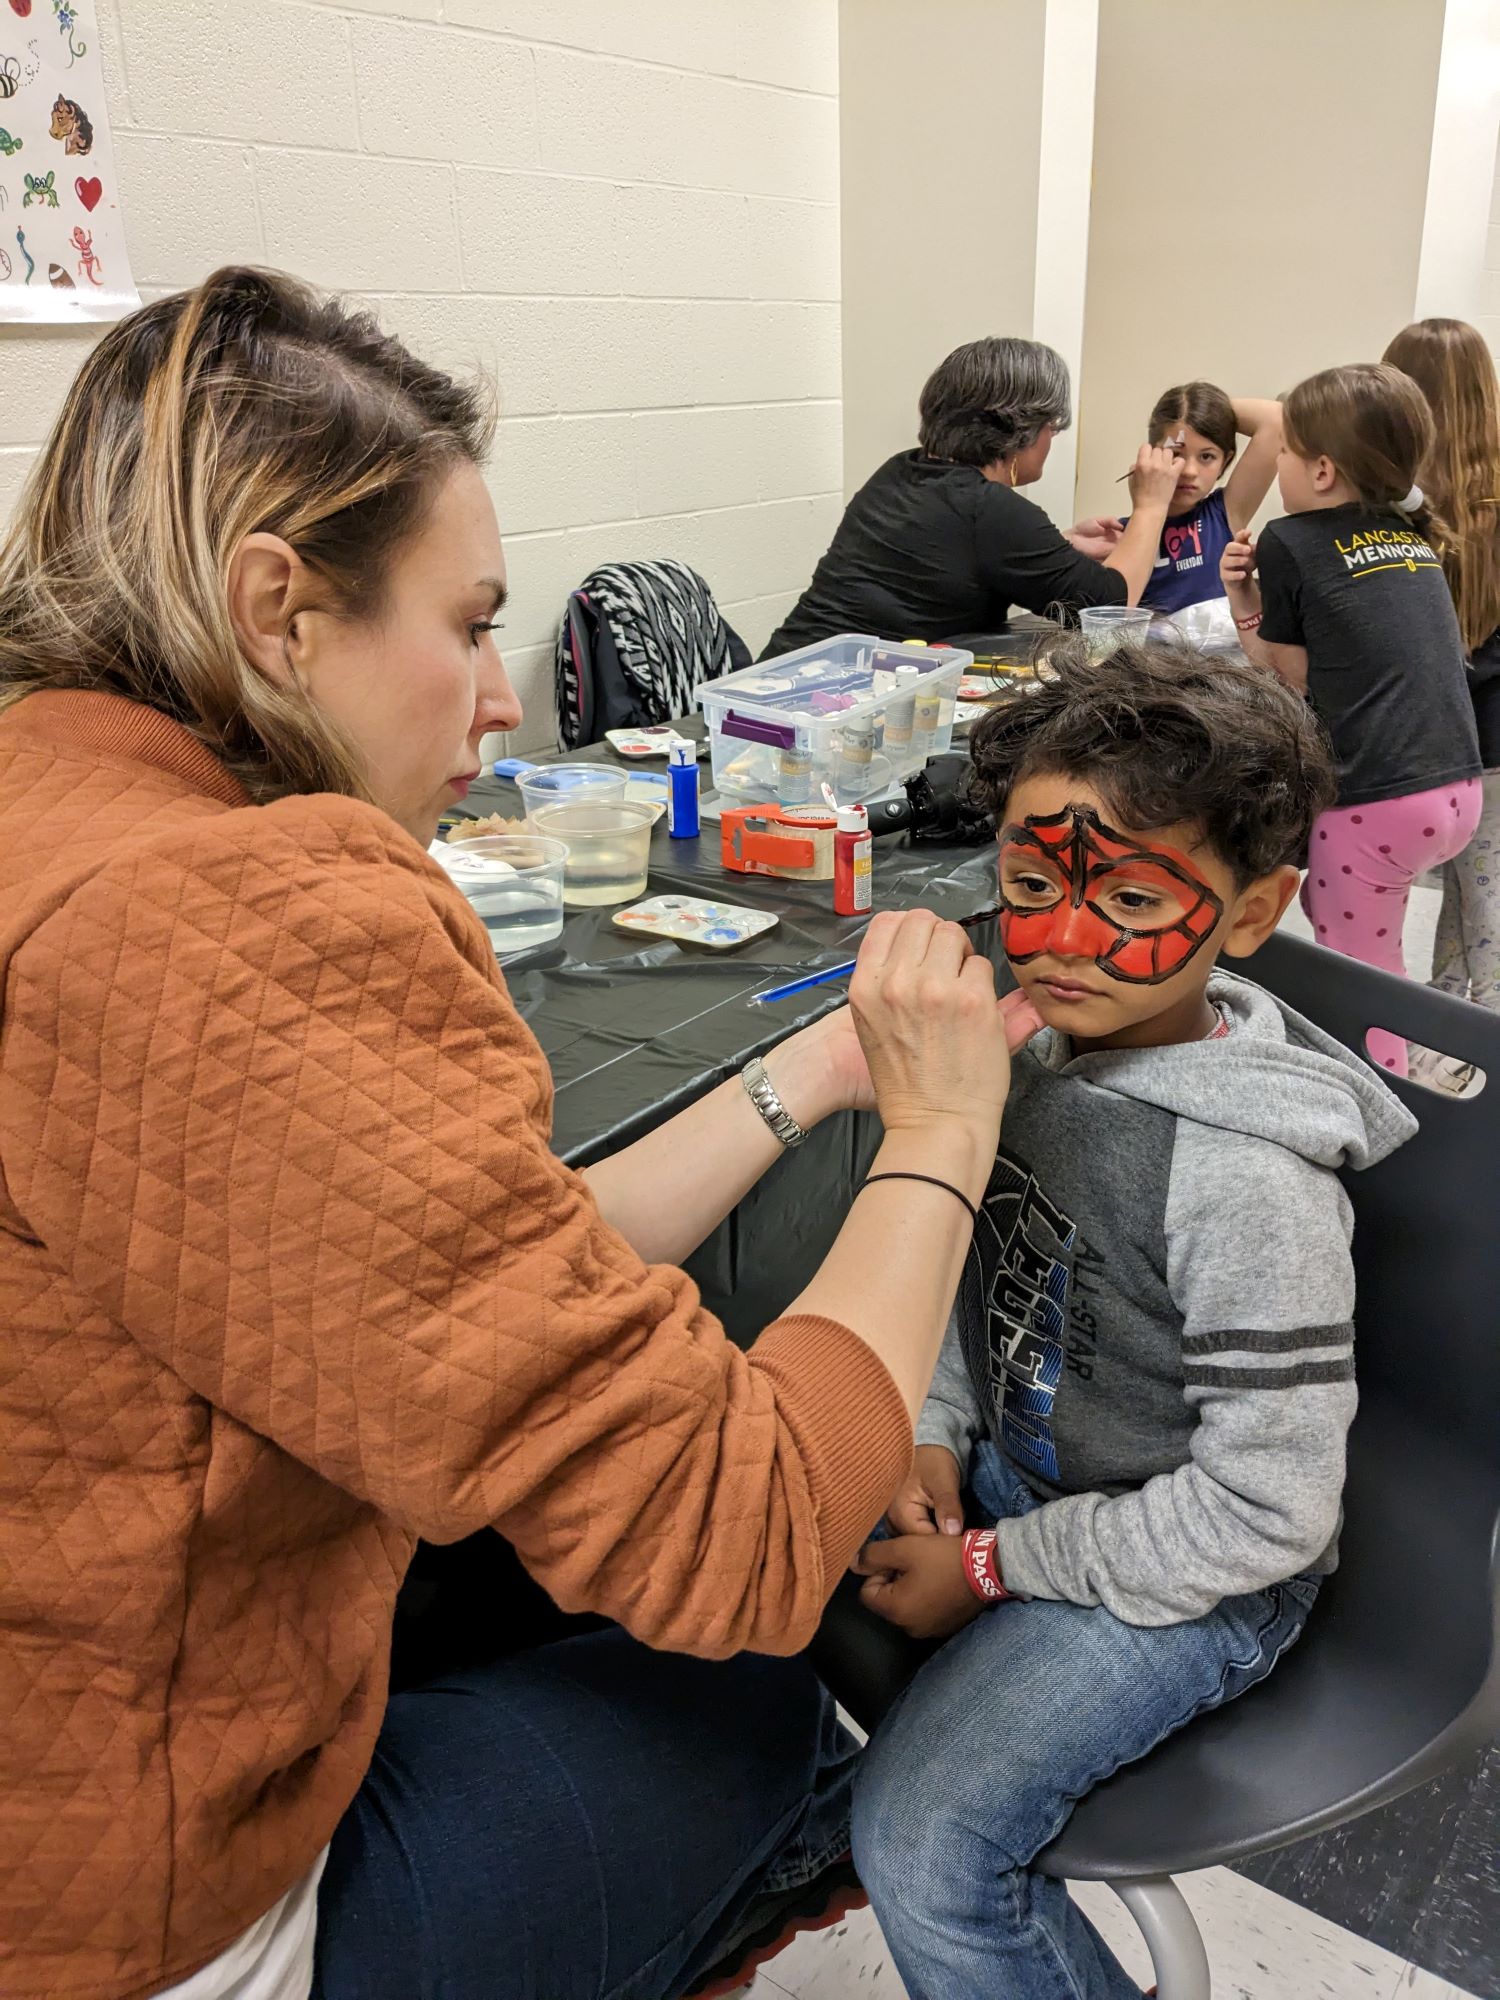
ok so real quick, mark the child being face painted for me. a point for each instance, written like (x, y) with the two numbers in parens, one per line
(1125, 1491)
(1150, 809)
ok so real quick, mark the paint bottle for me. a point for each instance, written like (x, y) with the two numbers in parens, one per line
(682, 791)
(852, 858)
(900, 719)
(856, 742)
(794, 775)
(927, 712)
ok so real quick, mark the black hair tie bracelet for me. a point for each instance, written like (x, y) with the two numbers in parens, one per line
(931, 1180)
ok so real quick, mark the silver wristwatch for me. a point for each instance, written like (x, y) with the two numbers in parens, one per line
(762, 1094)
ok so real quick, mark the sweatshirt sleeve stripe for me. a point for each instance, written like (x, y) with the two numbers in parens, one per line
(1260, 1340)
(1302, 1375)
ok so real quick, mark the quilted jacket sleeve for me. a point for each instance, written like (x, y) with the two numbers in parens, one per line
(265, 1101)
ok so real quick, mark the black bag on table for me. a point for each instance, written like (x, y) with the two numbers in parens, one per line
(635, 640)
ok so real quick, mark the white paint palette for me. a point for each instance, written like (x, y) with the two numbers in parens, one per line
(690, 920)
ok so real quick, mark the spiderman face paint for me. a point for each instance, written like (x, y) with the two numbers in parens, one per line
(1072, 886)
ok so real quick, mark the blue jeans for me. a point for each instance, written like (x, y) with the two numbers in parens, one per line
(978, 1765)
(589, 1821)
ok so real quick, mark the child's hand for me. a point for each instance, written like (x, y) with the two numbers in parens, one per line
(918, 1583)
(1097, 536)
(929, 1503)
(1237, 565)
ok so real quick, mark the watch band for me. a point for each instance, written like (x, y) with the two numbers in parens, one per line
(762, 1094)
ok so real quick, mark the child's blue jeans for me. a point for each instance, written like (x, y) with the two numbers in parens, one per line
(978, 1765)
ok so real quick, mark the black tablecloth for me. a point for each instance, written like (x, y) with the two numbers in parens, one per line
(635, 1030)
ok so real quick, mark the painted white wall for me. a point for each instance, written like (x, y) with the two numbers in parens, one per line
(940, 122)
(1274, 228)
(1065, 176)
(1461, 168)
(628, 212)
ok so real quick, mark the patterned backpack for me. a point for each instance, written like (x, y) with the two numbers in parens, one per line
(635, 640)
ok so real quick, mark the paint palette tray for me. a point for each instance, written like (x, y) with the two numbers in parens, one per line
(654, 740)
(692, 921)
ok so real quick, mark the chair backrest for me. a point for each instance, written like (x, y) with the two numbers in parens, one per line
(1427, 1220)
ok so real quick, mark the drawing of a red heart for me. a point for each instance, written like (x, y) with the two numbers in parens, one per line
(88, 191)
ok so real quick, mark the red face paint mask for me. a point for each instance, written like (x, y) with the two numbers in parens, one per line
(1084, 856)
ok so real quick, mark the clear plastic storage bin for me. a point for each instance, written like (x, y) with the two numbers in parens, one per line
(856, 713)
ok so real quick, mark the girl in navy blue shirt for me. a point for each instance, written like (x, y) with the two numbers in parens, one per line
(1206, 426)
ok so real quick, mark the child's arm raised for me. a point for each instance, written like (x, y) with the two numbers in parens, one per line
(1250, 482)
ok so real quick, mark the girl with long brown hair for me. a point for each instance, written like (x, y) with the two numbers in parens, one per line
(1450, 363)
(1352, 607)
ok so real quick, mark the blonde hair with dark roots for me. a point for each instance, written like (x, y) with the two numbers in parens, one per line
(1450, 363)
(250, 403)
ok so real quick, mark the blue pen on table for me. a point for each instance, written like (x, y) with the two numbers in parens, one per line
(842, 971)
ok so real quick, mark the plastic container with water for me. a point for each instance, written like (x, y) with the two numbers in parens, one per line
(515, 883)
(607, 847)
(856, 714)
(573, 784)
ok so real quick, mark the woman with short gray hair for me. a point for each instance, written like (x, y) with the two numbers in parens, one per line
(938, 542)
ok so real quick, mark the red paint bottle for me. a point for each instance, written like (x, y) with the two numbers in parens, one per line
(853, 853)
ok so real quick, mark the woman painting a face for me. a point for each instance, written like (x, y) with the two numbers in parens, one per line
(939, 543)
(291, 1278)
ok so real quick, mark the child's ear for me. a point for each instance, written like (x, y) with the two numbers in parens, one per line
(1324, 473)
(1257, 911)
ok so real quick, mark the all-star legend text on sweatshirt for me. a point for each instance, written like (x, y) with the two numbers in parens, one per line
(1155, 1321)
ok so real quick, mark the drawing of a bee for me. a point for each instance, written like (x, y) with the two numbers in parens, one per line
(10, 77)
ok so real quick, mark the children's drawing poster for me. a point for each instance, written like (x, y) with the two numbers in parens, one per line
(62, 240)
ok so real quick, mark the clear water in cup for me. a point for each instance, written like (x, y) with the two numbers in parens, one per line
(608, 871)
(518, 916)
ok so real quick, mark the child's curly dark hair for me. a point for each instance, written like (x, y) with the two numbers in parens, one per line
(1168, 734)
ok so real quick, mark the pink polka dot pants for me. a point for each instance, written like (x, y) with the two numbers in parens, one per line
(1362, 861)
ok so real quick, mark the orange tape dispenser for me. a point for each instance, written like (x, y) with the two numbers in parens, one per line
(769, 840)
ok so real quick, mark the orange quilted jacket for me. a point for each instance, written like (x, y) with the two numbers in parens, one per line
(289, 1277)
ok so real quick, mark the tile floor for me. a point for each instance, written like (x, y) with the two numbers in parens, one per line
(1260, 1946)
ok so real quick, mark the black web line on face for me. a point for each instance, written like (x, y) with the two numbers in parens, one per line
(1081, 876)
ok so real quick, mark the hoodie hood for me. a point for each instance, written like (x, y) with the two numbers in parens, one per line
(1274, 1076)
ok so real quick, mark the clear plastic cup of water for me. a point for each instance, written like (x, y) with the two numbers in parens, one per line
(1105, 626)
(515, 883)
(572, 784)
(607, 845)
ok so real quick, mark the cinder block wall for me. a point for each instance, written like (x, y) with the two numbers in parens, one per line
(626, 209)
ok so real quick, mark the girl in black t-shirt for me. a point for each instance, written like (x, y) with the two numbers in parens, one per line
(1353, 608)
(1452, 366)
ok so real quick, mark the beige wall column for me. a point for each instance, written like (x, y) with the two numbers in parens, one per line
(940, 119)
(1260, 189)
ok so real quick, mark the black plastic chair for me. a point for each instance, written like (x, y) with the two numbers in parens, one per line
(1397, 1676)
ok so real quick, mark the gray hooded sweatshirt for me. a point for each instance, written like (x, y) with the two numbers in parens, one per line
(1155, 1320)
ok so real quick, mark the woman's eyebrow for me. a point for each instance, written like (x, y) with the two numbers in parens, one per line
(496, 589)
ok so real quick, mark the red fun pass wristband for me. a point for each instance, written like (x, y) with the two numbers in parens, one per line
(982, 1565)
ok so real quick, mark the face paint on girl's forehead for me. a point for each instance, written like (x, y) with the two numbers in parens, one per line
(1081, 850)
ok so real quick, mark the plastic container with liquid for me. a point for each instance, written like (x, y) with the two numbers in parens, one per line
(608, 845)
(553, 784)
(514, 882)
